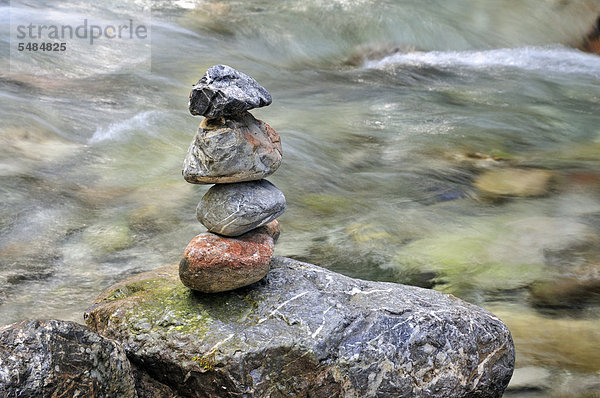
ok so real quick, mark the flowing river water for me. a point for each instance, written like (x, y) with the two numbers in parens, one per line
(398, 121)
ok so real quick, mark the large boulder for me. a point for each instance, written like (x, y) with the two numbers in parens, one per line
(53, 358)
(306, 331)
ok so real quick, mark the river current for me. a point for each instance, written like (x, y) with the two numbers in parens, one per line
(397, 118)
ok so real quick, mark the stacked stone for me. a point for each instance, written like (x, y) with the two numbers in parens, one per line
(236, 152)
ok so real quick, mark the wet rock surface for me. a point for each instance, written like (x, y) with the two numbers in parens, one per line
(61, 359)
(591, 43)
(515, 182)
(573, 289)
(232, 150)
(224, 91)
(213, 263)
(234, 209)
(147, 387)
(560, 342)
(306, 331)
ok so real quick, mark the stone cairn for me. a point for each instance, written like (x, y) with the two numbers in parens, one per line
(236, 152)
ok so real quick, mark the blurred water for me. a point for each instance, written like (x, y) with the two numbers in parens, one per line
(389, 113)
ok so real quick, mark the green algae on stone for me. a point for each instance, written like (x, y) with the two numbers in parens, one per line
(108, 237)
(327, 204)
(166, 303)
(369, 233)
(492, 253)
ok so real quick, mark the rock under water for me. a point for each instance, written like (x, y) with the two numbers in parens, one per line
(306, 331)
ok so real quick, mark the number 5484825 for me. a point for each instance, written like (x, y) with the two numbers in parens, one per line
(42, 46)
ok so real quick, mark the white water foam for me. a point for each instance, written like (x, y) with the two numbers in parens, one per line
(121, 130)
(560, 60)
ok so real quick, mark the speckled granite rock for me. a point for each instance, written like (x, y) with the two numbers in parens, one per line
(306, 331)
(213, 263)
(232, 150)
(234, 209)
(224, 91)
(53, 358)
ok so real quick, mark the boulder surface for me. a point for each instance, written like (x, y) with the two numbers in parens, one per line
(50, 358)
(306, 331)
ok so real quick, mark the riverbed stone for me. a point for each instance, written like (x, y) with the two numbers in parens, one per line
(212, 263)
(507, 182)
(306, 331)
(561, 342)
(232, 150)
(234, 209)
(225, 91)
(591, 43)
(51, 358)
(576, 288)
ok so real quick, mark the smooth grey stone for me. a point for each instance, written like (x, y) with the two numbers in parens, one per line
(234, 209)
(304, 331)
(224, 91)
(52, 358)
(232, 150)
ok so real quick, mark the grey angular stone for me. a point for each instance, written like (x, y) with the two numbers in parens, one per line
(224, 91)
(234, 209)
(306, 331)
(53, 358)
(232, 150)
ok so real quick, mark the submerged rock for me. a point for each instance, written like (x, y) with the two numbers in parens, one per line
(515, 182)
(530, 378)
(591, 43)
(493, 253)
(234, 209)
(232, 150)
(575, 289)
(568, 342)
(214, 263)
(376, 52)
(224, 91)
(61, 359)
(306, 331)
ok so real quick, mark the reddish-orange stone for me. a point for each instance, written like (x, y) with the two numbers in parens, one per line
(213, 263)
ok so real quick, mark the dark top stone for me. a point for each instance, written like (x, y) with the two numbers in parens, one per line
(61, 359)
(224, 91)
(304, 331)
